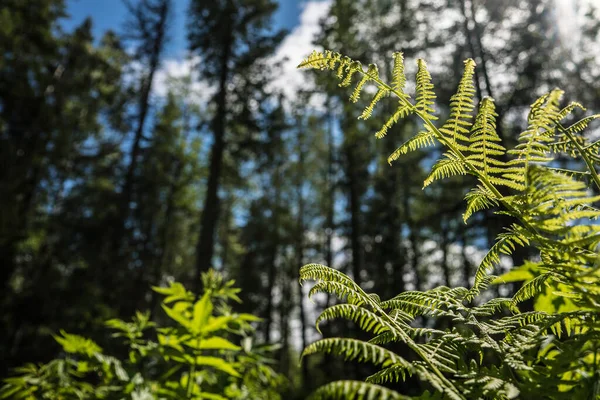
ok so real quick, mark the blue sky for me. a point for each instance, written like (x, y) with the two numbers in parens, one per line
(111, 14)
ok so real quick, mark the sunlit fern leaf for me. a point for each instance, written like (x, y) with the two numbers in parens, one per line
(355, 390)
(450, 165)
(582, 124)
(534, 142)
(485, 150)
(425, 97)
(478, 199)
(402, 111)
(367, 320)
(422, 139)
(506, 244)
(532, 287)
(398, 74)
(458, 125)
(333, 281)
(355, 350)
(568, 109)
(368, 111)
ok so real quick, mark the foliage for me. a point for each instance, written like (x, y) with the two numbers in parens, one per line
(484, 349)
(193, 356)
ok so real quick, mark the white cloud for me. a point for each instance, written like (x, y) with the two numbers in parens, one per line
(181, 75)
(297, 45)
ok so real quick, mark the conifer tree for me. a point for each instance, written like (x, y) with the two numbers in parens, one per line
(231, 37)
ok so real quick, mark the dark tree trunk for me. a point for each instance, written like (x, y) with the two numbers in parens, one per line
(210, 211)
(119, 236)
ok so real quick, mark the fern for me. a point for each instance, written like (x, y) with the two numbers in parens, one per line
(490, 350)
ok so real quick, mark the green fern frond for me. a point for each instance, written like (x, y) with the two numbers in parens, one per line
(534, 142)
(422, 139)
(332, 281)
(532, 287)
(458, 125)
(402, 111)
(367, 320)
(478, 199)
(395, 373)
(354, 349)
(355, 390)
(484, 150)
(398, 75)
(506, 244)
(446, 167)
(425, 98)
(368, 111)
(567, 110)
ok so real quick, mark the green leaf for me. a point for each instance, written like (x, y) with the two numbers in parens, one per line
(202, 310)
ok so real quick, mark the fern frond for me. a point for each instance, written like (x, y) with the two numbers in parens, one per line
(355, 390)
(532, 287)
(425, 97)
(420, 140)
(506, 244)
(354, 349)
(402, 111)
(398, 75)
(448, 166)
(367, 320)
(457, 127)
(567, 110)
(395, 373)
(478, 199)
(534, 142)
(330, 280)
(485, 150)
(368, 111)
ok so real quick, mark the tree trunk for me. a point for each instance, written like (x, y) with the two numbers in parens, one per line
(210, 211)
(123, 213)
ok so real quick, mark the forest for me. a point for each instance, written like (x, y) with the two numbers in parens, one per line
(354, 199)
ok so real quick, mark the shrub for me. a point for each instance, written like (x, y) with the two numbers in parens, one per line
(193, 356)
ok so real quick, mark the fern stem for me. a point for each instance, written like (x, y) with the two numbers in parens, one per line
(413, 346)
(583, 153)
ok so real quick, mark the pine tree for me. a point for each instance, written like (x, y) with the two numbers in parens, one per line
(216, 31)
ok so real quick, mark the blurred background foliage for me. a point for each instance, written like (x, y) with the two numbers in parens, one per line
(127, 163)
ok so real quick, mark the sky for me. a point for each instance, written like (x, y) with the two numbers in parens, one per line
(299, 17)
(111, 14)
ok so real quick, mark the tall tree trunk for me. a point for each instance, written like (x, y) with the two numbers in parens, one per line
(413, 237)
(300, 249)
(274, 249)
(355, 226)
(210, 211)
(123, 213)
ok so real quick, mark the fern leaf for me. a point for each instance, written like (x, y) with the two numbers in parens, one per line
(485, 148)
(446, 167)
(336, 282)
(420, 140)
(367, 320)
(398, 74)
(478, 199)
(462, 105)
(534, 142)
(532, 287)
(425, 97)
(354, 349)
(506, 244)
(402, 111)
(368, 111)
(355, 390)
